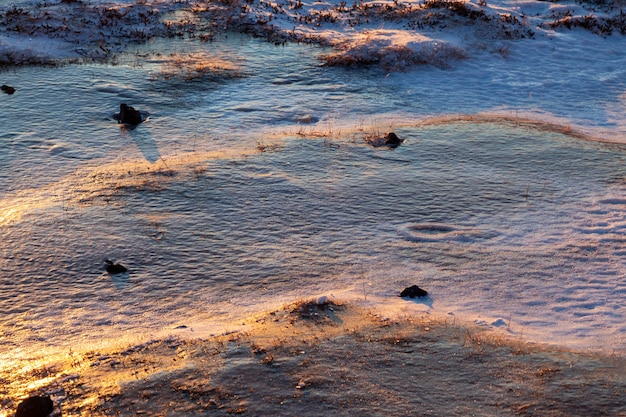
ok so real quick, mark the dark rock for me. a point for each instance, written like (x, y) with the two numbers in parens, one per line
(114, 268)
(36, 406)
(129, 115)
(7, 89)
(392, 140)
(413, 292)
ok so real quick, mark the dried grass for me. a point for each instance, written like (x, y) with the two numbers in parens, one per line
(395, 57)
(358, 366)
(199, 65)
(314, 311)
(603, 26)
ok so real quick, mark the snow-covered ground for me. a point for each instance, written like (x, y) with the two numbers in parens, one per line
(395, 34)
(560, 66)
(578, 44)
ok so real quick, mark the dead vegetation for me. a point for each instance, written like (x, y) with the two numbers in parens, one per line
(97, 29)
(11, 57)
(394, 57)
(292, 363)
(194, 66)
(603, 26)
(263, 147)
(321, 311)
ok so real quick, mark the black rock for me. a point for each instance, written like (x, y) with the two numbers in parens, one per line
(114, 268)
(392, 140)
(129, 115)
(413, 292)
(7, 89)
(36, 406)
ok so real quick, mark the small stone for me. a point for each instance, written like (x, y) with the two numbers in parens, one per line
(413, 292)
(113, 268)
(36, 406)
(392, 140)
(500, 322)
(7, 89)
(322, 300)
(129, 115)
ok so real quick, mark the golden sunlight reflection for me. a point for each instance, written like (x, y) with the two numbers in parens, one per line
(85, 186)
(88, 185)
(95, 372)
(13, 209)
(9, 215)
(195, 65)
(24, 376)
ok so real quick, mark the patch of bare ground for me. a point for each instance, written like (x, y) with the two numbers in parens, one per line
(312, 359)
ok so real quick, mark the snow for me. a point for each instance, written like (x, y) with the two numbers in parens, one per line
(98, 30)
(475, 42)
(468, 43)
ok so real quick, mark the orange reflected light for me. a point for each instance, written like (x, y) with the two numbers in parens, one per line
(195, 66)
(9, 215)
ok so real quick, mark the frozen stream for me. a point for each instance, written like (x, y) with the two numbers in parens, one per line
(253, 185)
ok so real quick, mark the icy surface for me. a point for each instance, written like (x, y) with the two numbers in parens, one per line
(252, 182)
